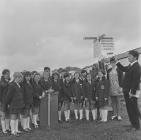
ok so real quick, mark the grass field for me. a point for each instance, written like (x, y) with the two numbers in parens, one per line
(83, 130)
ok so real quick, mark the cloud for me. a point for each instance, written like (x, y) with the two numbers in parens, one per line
(36, 33)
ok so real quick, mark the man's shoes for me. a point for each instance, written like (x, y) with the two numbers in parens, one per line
(135, 129)
(132, 129)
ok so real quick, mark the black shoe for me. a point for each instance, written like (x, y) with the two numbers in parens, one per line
(8, 131)
(38, 122)
(114, 117)
(5, 133)
(29, 129)
(25, 130)
(132, 129)
(135, 129)
(60, 121)
(67, 121)
(15, 134)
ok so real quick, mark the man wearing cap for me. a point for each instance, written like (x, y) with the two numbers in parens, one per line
(131, 88)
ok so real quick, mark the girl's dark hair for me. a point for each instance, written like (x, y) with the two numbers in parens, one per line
(55, 74)
(5, 71)
(112, 60)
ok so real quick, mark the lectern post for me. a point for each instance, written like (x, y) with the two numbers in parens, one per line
(49, 110)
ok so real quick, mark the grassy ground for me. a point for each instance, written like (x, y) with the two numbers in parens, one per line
(83, 130)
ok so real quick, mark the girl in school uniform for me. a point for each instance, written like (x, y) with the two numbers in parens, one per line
(77, 93)
(102, 89)
(28, 100)
(38, 94)
(3, 93)
(56, 86)
(15, 102)
(83, 81)
(67, 96)
(90, 98)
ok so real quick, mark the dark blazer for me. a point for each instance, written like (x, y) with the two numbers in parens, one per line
(67, 91)
(90, 91)
(3, 89)
(15, 97)
(102, 91)
(38, 90)
(46, 84)
(28, 93)
(83, 83)
(77, 89)
(132, 76)
(56, 86)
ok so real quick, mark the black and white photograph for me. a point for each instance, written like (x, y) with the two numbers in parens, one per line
(70, 69)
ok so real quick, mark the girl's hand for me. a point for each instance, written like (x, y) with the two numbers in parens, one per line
(81, 97)
(50, 90)
(71, 98)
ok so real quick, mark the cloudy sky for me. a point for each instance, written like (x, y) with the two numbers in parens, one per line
(38, 33)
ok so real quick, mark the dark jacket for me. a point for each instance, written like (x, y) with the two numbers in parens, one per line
(77, 89)
(3, 89)
(46, 84)
(28, 93)
(89, 88)
(132, 76)
(83, 83)
(56, 86)
(15, 97)
(37, 92)
(102, 91)
(67, 91)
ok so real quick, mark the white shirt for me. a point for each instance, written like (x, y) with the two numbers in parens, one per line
(133, 63)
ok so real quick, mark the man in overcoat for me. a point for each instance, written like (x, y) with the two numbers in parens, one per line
(131, 88)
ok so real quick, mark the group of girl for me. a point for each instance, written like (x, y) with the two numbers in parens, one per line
(86, 95)
(20, 98)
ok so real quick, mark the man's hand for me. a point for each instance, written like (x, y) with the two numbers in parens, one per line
(137, 95)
